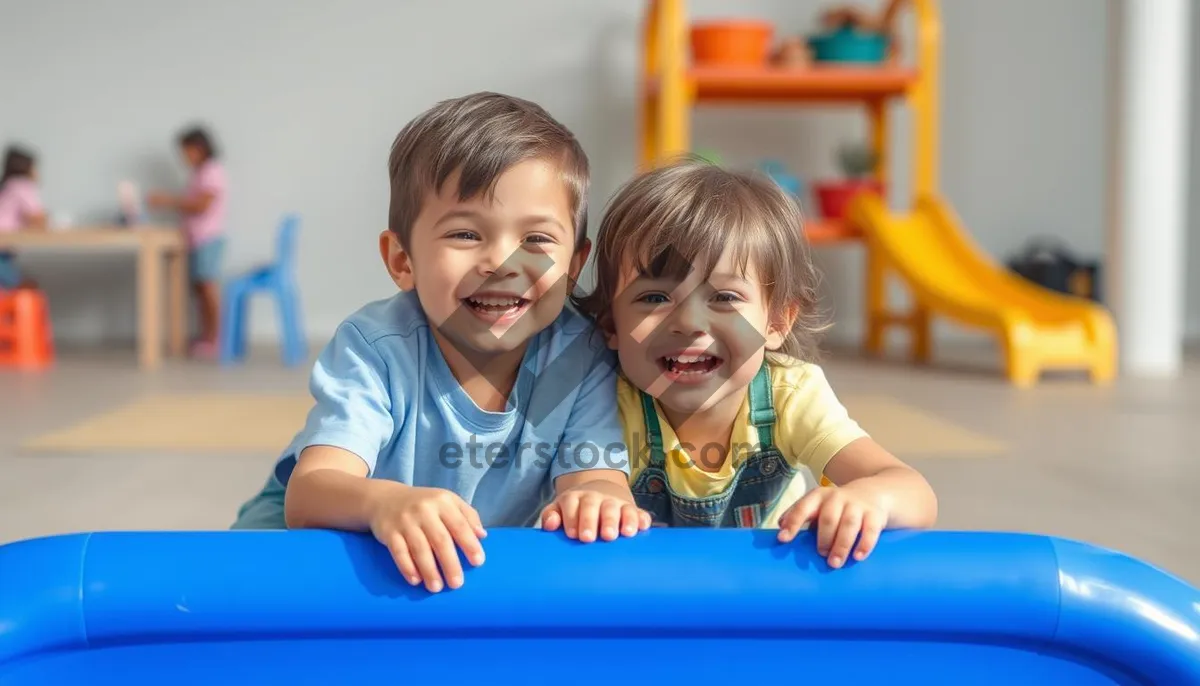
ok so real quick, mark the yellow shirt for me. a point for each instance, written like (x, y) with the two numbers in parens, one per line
(811, 426)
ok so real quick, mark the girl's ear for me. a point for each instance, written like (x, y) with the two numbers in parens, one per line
(396, 259)
(781, 325)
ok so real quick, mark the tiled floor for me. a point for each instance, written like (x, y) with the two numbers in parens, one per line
(1117, 467)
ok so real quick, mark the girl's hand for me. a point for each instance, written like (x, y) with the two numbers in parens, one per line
(160, 200)
(843, 515)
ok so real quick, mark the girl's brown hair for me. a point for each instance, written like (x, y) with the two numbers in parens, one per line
(684, 215)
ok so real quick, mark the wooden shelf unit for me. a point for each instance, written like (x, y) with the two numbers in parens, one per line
(671, 87)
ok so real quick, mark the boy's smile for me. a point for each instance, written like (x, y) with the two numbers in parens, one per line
(494, 269)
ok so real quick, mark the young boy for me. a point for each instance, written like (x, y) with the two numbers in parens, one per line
(472, 398)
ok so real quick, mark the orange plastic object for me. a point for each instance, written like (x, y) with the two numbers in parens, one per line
(26, 338)
(732, 43)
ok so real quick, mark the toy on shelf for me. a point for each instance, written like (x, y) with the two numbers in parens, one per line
(849, 44)
(732, 43)
(779, 173)
(858, 163)
(326, 607)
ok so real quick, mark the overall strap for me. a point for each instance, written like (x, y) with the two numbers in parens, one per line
(762, 407)
(653, 431)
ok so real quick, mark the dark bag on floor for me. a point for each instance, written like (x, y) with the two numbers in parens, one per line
(1051, 265)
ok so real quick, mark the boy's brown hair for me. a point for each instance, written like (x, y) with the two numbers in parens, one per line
(480, 136)
(685, 215)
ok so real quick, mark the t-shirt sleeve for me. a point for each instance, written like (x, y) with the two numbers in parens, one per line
(354, 406)
(812, 424)
(593, 438)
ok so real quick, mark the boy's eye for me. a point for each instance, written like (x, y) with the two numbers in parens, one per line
(464, 235)
(539, 238)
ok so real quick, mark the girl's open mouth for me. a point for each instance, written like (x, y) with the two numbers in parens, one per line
(686, 367)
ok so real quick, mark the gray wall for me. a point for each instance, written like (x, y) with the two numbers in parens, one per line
(306, 97)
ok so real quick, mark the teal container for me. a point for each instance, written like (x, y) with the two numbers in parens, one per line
(849, 45)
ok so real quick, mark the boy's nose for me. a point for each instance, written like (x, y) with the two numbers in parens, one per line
(499, 260)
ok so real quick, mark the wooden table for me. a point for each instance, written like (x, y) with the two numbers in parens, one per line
(153, 245)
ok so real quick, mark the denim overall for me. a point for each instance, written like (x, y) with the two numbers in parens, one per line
(757, 483)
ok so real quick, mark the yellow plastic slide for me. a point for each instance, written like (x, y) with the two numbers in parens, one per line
(1039, 329)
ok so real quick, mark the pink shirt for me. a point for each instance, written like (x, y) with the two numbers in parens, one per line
(18, 198)
(209, 224)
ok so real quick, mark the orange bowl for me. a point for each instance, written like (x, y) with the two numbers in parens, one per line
(732, 43)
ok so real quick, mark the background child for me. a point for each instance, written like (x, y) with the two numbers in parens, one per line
(472, 397)
(203, 206)
(707, 292)
(20, 209)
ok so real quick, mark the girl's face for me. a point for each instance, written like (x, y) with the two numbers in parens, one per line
(694, 345)
(194, 155)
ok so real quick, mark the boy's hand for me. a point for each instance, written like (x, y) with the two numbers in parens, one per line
(843, 515)
(424, 528)
(597, 505)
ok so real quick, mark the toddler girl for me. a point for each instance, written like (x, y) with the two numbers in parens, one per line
(202, 205)
(20, 209)
(706, 290)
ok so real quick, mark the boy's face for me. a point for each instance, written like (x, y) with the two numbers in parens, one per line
(693, 344)
(491, 272)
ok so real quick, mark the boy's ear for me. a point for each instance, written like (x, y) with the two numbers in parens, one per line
(396, 259)
(579, 259)
(781, 325)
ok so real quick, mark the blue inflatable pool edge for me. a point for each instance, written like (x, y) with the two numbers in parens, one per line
(1003, 604)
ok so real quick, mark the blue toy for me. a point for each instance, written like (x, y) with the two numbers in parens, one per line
(780, 175)
(848, 44)
(323, 607)
(278, 280)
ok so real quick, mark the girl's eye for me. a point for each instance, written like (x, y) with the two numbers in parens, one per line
(726, 297)
(539, 238)
(652, 298)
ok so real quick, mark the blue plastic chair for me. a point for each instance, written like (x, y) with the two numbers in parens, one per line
(277, 279)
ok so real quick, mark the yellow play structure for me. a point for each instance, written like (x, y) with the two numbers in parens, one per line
(926, 247)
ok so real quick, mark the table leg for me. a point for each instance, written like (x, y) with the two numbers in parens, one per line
(177, 301)
(149, 307)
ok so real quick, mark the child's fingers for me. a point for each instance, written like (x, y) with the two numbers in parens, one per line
(631, 519)
(473, 519)
(404, 562)
(463, 534)
(799, 514)
(569, 507)
(872, 529)
(644, 519)
(422, 555)
(847, 534)
(589, 516)
(827, 523)
(441, 542)
(610, 519)
(551, 518)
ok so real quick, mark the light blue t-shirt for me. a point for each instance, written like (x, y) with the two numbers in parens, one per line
(384, 392)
